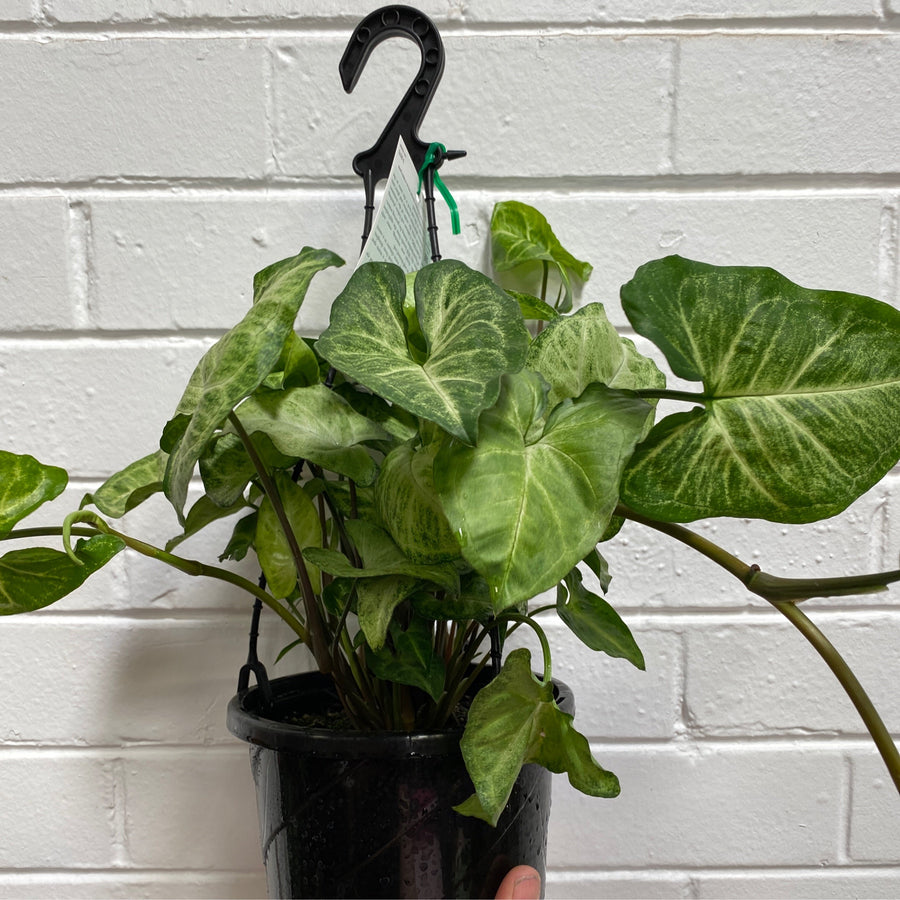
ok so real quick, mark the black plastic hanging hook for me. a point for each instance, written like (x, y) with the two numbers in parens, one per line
(374, 165)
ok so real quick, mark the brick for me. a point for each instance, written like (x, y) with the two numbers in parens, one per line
(890, 523)
(191, 809)
(121, 884)
(91, 406)
(613, 699)
(189, 263)
(478, 106)
(653, 571)
(472, 11)
(133, 108)
(818, 241)
(580, 11)
(17, 10)
(58, 810)
(154, 585)
(34, 278)
(763, 678)
(627, 886)
(787, 104)
(175, 263)
(807, 885)
(260, 10)
(760, 807)
(875, 811)
(112, 681)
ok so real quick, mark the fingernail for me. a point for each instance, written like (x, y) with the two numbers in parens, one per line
(525, 887)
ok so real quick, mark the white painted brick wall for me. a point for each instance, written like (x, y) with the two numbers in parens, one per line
(155, 153)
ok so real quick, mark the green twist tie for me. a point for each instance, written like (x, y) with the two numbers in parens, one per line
(430, 154)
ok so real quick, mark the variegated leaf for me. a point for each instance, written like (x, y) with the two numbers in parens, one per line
(473, 333)
(801, 394)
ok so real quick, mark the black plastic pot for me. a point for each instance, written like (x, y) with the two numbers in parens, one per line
(369, 814)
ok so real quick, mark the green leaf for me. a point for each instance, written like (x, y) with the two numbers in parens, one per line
(272, 545)
(38, 576)
(316, 424)
(594, 622)
(514, 720)
(801, 390)
(474, 333)
(173, 431)
(395, 420)
(413, 660)
(240, 360)
(598, 565)
(575, 351)
(380, 556)
(358, 503)
(533, 308)
(132, 486)
(298, 365)
(25, 484)
(241, 539)
(472, 603)
(201, 514)
(377, 598)
(409, 506)
(521, 235)
(226, 467)
(534, 497)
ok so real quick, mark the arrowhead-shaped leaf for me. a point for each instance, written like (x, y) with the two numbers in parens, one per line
(413, 660)
(272, 545)
(521, 235)
(575, 351)
(409, 506)
(25, 484)
(801, 393)
(315, 423)
(533, 498)
(38, 576)
(593, 621)
(380, 557)
(240, 360)
(201, 514)
(514, 720)
(472, 330)
(132, 486)
(377, 598)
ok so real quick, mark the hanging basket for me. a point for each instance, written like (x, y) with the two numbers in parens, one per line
(370, 814)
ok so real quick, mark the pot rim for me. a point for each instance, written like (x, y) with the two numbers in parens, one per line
(244, 721)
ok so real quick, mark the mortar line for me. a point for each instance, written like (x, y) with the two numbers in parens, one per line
(672, 128)
(79, 264)
(729, 184)
(845, 808)
(887, 249)
(270, 166)
(119, 844)
(210, 27)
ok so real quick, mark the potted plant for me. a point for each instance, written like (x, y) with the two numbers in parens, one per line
(448, 451)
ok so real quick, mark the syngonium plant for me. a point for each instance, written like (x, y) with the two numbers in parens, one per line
(447, 451)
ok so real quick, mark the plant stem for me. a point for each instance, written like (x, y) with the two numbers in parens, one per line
(188, 566)
(545, 644)
(712, 551)
(850, 683)
(317, 639)
(664, 394)
(784, 594)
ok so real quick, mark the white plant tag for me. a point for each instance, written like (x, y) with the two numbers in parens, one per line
(399, 233)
